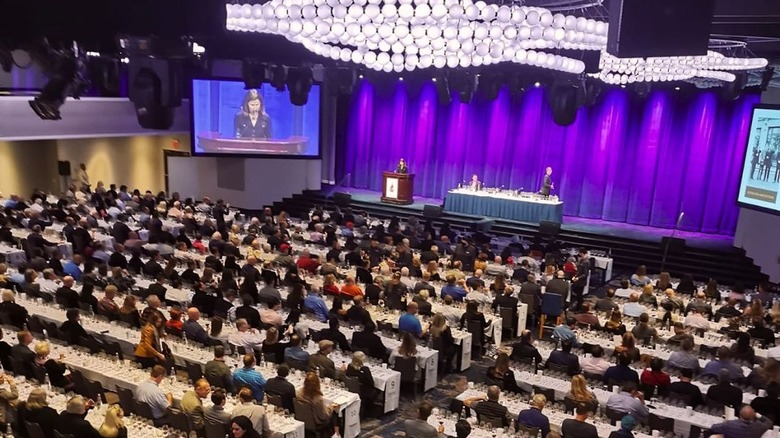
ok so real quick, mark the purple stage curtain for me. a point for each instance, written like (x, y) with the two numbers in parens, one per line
(624, 160)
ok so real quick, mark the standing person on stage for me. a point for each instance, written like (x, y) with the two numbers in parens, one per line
(547, 184)
(580, 280)
(475, 184)
(401, 168)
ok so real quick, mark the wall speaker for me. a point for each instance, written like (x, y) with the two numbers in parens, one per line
(63, 168)
(342, 199)
(675, 244)
(432, 211)
(549, 228)
(641, 28)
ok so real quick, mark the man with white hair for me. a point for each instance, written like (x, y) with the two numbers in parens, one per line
(496, 267)
(72, 420)
(430, 256)
(477, 295)
(192, 328)
(245, 336)
(476, 281)
(405, 278)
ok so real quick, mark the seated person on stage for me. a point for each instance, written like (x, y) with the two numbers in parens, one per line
(475, 184)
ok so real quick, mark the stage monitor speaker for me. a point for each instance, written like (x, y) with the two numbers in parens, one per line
(63, 168)
(342, 199)
(675, 245)
(642, 28)
(549, 228)
(432, 211)
(482, 226)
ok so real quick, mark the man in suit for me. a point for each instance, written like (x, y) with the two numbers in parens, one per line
(23, 352)
(248, 312)
(158, 288)
(280, 386)
(358, 314)
(558, 285)
(565, 357)
(38, 244)
(525, 349)
(216, 414)
(65, 295)
(120, 231)
(152, 268)
(419, 427)
(192, 404)
(321, 361)
(547, 184)
(16, 313)
(72, 329)
(369, 342)
(531, 287)
(580, 280)
(72, 420)
(333, 334)
(192, 329)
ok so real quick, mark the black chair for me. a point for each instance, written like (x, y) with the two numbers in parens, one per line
(507, 320)
(714, 404)
(660, 423)
(57, 434)
(552, 307)
(407, 366)
(179, 420)
(352, 384)
(34, 430)
(613, 415)
(241, 350)
(569, 405)
(269, 357)
(113, 349)
(143, 410)
(35, 326)
(94, 390)
(19, 368)
(592, 377)
(91, 344)
(680, 397)
(216, 430)
(297, 364)
(493, 421)
(528, 430)
(38, 373)
(274, 399)
(79, 382)
(194, 371)
(126, 400)
(531, 301)
(558, 368)
(546, 392)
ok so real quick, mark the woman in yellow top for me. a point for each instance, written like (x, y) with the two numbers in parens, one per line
(148, 352)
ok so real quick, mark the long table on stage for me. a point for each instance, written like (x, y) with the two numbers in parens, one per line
(504, 206)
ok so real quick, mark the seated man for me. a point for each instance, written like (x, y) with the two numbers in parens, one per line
(630, 401)
(565, 357)
(419, 426)
(489, 407)
(622, 372)
(149, 392)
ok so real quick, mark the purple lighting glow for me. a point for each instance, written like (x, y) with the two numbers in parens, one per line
(623, 160)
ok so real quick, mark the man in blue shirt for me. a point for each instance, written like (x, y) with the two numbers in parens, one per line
(534, 417)
(629, 401)
(456, 292)
(621, 372)
(723, 361)
(73, 267)
(249, 377)
(565, 332)
(316, 304)
(295, 352)
(408, 322)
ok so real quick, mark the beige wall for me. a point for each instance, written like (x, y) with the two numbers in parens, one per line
(137, 162)
(25, 165)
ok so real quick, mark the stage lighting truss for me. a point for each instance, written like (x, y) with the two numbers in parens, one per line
(405, 35)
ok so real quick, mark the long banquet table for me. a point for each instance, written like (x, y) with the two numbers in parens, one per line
(503, 206)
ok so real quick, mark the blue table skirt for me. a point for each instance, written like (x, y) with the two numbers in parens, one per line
(512, 209)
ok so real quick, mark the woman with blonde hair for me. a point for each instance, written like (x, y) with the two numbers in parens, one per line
(647, 297)
(128, 313)
(325, 416)
(615, 323)
(368, 392)
(36, 410)
(442, 340)
(54, 368)
(433, 269)
(113, 425)
(408, 348)
(580, 394)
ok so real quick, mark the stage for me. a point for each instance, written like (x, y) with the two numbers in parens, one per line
(570, 224)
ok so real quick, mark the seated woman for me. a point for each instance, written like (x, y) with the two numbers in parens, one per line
(640, 277)
(325, 416)
(648, 297)
(664, 282)
(628, 347)
(368, 392)
(54, 368)
(742, 350)
(272, 346)
(175, 322)
(113, 425)
(128, 313)
(36, 410)
(502, 376)
(615, 323)
(329, 285)
(408, 348)
(581, 395)
(655, 377)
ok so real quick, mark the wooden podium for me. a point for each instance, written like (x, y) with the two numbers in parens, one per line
(397, 188)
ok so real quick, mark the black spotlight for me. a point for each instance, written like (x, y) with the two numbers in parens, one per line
(732, 90)
(465, 84)
(299, 82)
(61, 68)
(563, 100)
(490, 84)
(594, 89)
(278, 77)
(341, 80)
(155, 90)
(253, 74)
(642, 89)
(442, 85)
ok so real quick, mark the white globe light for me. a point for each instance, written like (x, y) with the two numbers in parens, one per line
(309, 12)
(510, 32)
(406, 11)
(346, 55)
(296, 27)
(355, 11)
(356, 57)
(309, 28)
(401, 31)
(472, 12)
(398, 68)
(438, 43)
(323, 28)
(518, 16)
(521, 56)
(383, 58)
(496, 50)
(338, 29)
(559, 21)
(397, 48)
(546, 19)
(467, 47)
(571, 22)
(453, 45)
(541, 58)
(571, 36)
(536, 33)
(370, 58)
(476, 61)
(373, 11)
(294, 12)
(438, 11)
(481, 32)
(257, 12)
(465, 33)
(412, 50)
(482, 49)
(417, 31)
(424, 44)
(524, 32)
(389, 10)
(549, 33)
(385, 31)
(353, 29)
(582, 22)
(532, 55)
(551, 62)
(450, 33)
(334, 52)
(496, 32)
(422, 11)
(452, 61)
(480, 5)
(457, 11)
(246, 11)
(324, 12)
(532, 18)
(487, 14)
(504, 14)
(433, 32)
(439, 61)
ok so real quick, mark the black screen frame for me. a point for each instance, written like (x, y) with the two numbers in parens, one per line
(242, 155)
(741, 204)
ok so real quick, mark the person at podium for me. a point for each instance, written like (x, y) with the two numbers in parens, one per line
(547, 183)
(401, 167)
(475, 184)
(252, 121)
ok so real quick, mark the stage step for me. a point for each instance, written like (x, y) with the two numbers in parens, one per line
(727, 266)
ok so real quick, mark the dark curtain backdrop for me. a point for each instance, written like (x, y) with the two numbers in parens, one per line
(624, 160)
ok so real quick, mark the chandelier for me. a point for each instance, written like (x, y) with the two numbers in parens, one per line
(405, 35)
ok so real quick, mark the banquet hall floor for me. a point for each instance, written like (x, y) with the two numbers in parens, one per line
(570, 223)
